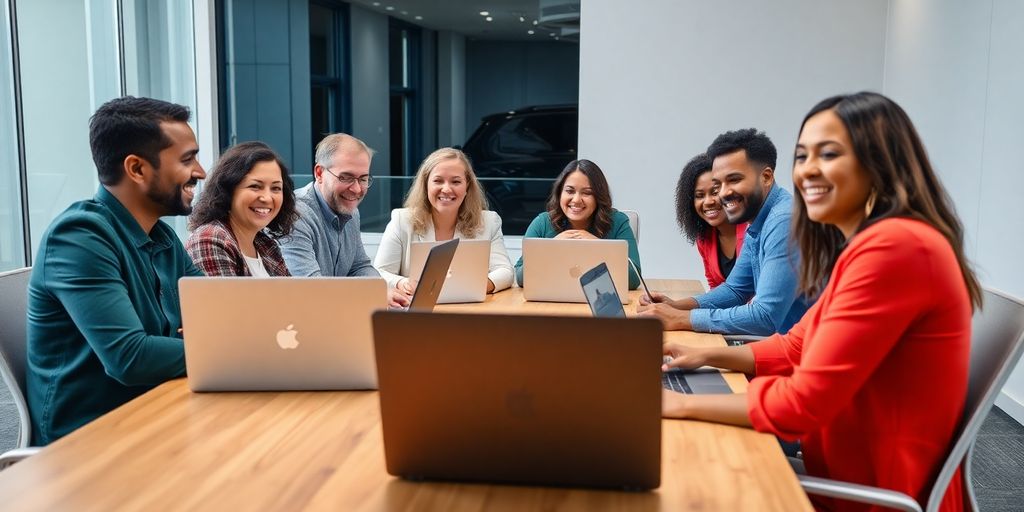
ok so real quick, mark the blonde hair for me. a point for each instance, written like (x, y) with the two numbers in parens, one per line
(470, 220)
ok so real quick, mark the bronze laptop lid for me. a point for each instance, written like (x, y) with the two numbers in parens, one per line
(546, 400)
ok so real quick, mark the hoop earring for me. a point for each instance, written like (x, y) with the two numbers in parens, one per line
(870, 204)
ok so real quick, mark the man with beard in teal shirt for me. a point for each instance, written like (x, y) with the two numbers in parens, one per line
(103, 309)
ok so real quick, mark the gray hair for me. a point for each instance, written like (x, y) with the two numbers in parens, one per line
(335, 142)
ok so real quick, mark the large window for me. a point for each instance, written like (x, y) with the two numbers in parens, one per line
(73, 56)
(327, 69)
(404, 76)
(12, 242)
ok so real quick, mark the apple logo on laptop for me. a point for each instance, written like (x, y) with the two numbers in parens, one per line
(287, 338)
(519, 403)
(575, 272)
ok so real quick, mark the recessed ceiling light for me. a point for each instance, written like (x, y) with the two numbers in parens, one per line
(535, 23)
(522, 19)
(529, 32)
(389, 8)
(419, 17)
(485, 13)
(489, 18)
(552, 34)
(405, 13)
(376, 4)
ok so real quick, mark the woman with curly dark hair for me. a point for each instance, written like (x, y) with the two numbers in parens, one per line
(580, 207)
(247, 203)
(702, 220)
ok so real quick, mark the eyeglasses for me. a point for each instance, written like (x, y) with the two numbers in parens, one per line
(348, 180)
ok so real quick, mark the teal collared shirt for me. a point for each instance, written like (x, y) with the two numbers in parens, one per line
(103, 314)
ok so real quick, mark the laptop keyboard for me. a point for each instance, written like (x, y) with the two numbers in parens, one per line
(675, 381)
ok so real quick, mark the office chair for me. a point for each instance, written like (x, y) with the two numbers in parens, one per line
(14, 290)
(997, 341)
(634, 222)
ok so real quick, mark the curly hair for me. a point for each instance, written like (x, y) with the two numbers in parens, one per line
(471, 219)
(601, 221)
(758, 146)
(891, 152)
(693, 226)
(219, 189)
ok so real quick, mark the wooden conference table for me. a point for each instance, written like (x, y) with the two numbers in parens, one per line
(173, 449)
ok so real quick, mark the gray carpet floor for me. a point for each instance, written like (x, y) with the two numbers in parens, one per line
(998, 457)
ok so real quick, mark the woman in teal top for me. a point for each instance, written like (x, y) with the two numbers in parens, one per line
(580, 207)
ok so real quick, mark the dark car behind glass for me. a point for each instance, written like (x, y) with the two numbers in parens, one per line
(517, 156)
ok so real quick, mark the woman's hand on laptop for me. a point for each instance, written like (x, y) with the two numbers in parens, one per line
(683, 357)
(397, 299)
(407, 286)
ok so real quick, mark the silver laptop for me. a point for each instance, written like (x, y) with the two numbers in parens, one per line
(552, 268)
(467, 274)
(704, 380)
(572, 401)
(277, 334)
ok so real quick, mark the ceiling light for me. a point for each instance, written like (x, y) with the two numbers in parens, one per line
(529, 32)
(389, 8)
(522, 19)
(376, 4)
(405, 13)
(485, 13)
(535, 23)
(552, 34)
(489, 18)
(419, 17)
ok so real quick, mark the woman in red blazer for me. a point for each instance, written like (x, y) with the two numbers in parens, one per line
(702, 219)
(872, 379)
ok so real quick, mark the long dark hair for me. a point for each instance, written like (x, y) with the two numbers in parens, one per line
(215, 201)
(693, 226)
(601, 221)
(891, 153)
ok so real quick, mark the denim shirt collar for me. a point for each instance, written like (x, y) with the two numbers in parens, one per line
(139, 238)
(774, 195)
(329, 215)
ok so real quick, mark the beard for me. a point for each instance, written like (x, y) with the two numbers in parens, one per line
(752, 204)
(171, 200)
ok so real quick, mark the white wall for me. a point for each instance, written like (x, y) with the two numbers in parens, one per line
(957, 70)
(659, 82)
(654, 93)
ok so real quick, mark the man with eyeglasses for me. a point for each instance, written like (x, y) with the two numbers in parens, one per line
(325, 240)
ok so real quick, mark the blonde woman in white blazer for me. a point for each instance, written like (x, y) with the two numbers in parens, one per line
(445, 202)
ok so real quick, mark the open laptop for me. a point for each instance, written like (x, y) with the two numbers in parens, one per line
(595, 283)
(277, 334)
(552, 268)
(467, 274)
(571, 401)
(432, 276)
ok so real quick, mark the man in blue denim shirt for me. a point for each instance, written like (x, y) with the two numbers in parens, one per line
(759, 297)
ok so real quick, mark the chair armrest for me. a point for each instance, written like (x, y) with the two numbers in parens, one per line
(11, 456)
(858, 493)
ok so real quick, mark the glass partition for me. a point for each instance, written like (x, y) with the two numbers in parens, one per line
(12, 235)
(516, 200)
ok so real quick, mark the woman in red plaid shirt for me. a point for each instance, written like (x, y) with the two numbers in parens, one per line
(248, 202)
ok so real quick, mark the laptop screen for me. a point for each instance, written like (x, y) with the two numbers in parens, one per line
(599, 290)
